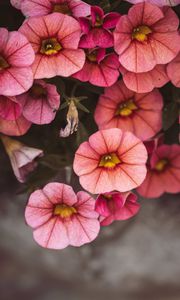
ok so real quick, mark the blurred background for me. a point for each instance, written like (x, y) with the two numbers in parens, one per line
(135, 259)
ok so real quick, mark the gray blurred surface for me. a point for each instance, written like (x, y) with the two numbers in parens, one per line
(135, 259)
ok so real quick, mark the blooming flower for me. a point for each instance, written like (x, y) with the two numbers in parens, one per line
(115, 206)
(173, 70)
(146, 81)
(10, 109)
(76, 8)
(16, 57)
(147, 36)
(110, 160)
(97, 27)
(16, 3)
(163, 173)
(40, 102)
(21, 156)
(60, 218)
(121, 108)
(99, 69)
(16, 127)
(55, 40)
(158, 2)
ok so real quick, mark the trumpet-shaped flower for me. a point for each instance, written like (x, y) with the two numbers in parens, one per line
(163, 173)
(115, 206)
(10, 108)
(16, 58)
(110, 160)
(121, 108)
(15, 127)
(99, 69)
(21, 156)
(16, 3)
(60, 218)
(173, 70)
(40, 103)
(147, 36)
(55, 40)
(75, 8)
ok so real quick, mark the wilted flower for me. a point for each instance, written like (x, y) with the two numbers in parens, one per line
(55, 40)
(147, 36)
(110, 160)
(121, 108)
(115, 206)
(60, 218)
(16, 58)
(21, 156)
(72, 120)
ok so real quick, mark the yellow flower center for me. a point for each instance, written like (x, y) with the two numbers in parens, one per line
(98, 22)
(109, 161)
(62, 8)
(3, 63)
(161, 165)
(50, 46)
(64, 211)
(141, 33)
(38, 91)
(92, 56)
(126, 108)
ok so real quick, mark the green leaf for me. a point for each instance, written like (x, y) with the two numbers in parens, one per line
(170, 115)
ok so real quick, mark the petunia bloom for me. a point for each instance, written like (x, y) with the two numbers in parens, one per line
(60, 218)
(16, 58)
(173, 70)
(75, 8)
(157, 2)
(110, 160)
(121, 108)
(21, 156)
(16, 3)
(163, 173)
(15, 127)
(96, 29)
(115, 206)
(40, 103)
(10, 109)
(99, 69)
(55, 40)
(146, 81)
(147, 36)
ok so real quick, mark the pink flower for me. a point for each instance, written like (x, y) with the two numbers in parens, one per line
(97, 27)
(116, 206)
(147, 36)
(145, 82)
(99, 69)
(163, 173)
(121, 108)
(16, 57)
(76, 8)
(173, 70)
(110, 160)
(158, 2)
(21, 156)
(10, 109)
(16, 3)
(16, 127)
(61, 218)
(55, 40)
(40, 102)
(153, 143)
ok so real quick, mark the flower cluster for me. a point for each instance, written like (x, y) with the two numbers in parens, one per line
(131, 55)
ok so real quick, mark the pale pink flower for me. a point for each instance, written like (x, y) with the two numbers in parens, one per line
(110, 160)
(173, 70)
(99, 69)
(163, 172)
(158, 2)
(17, 3)
(146, 81)
(115, 206)
(75, 8)
(10, 109)
(16, 58)
(60, 218)
(55, 40)
(121, 108)
(22, 157)
(147, 36)
(15, 127)
(40, 103)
